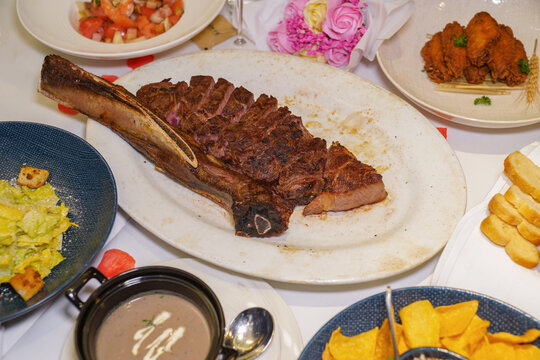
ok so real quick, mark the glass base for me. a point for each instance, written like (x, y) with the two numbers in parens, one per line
(240, 41)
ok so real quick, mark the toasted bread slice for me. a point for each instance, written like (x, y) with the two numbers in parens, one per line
(32, 177)
(499, 206)
(498, 231)
(522, 252)
(27, 284)
(524, 173)
(529, 232)
(524, 203)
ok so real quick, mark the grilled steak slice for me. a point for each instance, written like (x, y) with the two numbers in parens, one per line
(270, 145)
(348, 183)
(256, 209)
(260, 140)
(239, 103)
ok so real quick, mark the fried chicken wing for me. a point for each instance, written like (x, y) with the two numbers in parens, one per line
(502, 54)
(475, 74)
(482, 31)
(434, 64)
(505, 54)
(515, 76)
(455, 56)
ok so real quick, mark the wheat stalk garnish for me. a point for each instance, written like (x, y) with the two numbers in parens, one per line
(532, 81)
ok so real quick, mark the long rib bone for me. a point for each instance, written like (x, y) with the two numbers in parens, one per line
(256, 210)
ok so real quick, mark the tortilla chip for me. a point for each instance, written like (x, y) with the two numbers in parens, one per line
(527, 352)
(402, 345)
(529, 336)
(457, 344)
(455, 318)
(420, 324)
(384, 348)
(467, 343)
(502, 350)
(326, 354)
(482, 351)
(358, 347)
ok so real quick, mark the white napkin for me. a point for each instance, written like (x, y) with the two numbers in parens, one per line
(261, 17)
(384, 18)
(15, 329)
(471, 261)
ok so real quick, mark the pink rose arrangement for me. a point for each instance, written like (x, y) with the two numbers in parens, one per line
(327, 30)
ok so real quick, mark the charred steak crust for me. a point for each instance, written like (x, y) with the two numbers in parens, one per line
(268, 144)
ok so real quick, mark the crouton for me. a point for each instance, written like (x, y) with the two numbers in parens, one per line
(27, 284)
(32, 177)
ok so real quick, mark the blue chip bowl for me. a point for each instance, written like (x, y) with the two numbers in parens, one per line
(83, 181)
(370, 312)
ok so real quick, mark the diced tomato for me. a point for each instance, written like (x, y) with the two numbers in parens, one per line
(90, 25)
(146, 11)
(111, 29)
(114, 262)
(145, 19)
(149, 30)
(142, 21)
(173, 19)
(97, 10)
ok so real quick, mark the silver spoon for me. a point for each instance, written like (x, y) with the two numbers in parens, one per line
(391, 320)
(414, 353)
(249, 333)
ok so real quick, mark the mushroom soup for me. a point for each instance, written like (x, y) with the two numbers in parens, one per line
(154, 326)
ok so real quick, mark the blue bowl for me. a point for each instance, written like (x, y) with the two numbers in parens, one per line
(370, 312)
(83, 181)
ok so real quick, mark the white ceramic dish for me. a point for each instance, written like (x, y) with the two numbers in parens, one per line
(235, 294)
(400, 60)
(471, 261)
(54, 25)
(422, 175)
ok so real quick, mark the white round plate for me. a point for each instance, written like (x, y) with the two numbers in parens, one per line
(235, 294)
(400, 59)
(54, 24)
(423, 177)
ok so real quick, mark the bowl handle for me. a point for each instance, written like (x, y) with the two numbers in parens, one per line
(72, 293)
(226, 353)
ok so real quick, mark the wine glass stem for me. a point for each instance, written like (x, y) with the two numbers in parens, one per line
(239, 15)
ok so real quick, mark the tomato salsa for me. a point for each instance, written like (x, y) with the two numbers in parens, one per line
(120, 21)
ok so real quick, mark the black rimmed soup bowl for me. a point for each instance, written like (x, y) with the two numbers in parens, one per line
(118, 318)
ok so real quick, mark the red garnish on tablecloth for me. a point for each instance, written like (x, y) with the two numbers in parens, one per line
(67, 110)
(140, 61)
(114, 262)
(110, 78)
(442, 131)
